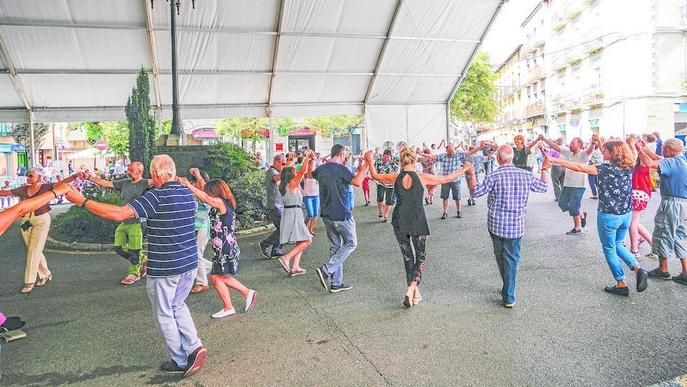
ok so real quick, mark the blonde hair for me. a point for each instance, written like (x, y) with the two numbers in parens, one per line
(164, 166)
(519, 137)
(407, 156)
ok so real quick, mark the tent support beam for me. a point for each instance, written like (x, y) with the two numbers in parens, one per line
(216, 72)
(474, 52)
(382, 52)
(275, 56)
(153, 54)
(19, 89)
(105, 27)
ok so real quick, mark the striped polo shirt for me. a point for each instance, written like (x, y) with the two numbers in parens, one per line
(170, 213)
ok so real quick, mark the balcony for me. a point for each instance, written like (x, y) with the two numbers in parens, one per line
(535, 109)
(535, 74)
(593, 97)
(573, 104)
(559, 61)
(572, 9)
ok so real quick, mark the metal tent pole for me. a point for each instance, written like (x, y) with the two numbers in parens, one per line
(176, 118)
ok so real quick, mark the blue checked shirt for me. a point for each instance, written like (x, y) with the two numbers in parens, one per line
(508, 188)
(450, 164)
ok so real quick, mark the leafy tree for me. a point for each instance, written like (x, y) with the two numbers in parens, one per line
(476, 99)
(94, 131)
(116, 134)
(142, 131)
(22, 133)
(238, 128)
(333, 126)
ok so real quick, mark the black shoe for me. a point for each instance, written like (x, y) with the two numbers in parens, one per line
(265, 250)
(380, 215)
(583, 221)
(276, 253)
(444, 216)
(366, 204)
(617, 291)
(642, 280)
(681, 279)
(406, 302)
(323, 276)
(195, 361)
(459, 214)
(657, 273)
(171, 367)
(573, 232)
(340, 288)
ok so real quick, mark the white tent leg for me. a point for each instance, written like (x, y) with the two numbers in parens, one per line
(33, 140)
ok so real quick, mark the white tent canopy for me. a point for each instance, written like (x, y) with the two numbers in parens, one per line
(397, 61)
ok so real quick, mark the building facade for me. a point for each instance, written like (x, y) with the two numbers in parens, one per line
(604, 67)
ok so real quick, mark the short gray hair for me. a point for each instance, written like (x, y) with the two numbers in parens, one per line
(37, 170)
(674, 144)
(164, 166)
(505, 153)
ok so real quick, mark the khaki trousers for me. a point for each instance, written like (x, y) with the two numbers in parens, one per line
(34, 238)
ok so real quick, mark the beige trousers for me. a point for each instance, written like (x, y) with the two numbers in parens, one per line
(34, 238)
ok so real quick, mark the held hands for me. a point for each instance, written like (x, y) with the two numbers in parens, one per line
(195, 172)
(369, 156)
(72, 195)
(184, 181)
(546, 164)
(61, 188)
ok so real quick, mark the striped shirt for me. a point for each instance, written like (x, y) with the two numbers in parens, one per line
(170, 211)
(508, 188)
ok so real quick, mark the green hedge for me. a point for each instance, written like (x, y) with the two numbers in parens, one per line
(226, 161)
(232, 164)
(79, 225)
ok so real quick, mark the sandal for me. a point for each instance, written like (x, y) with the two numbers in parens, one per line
(199, 288)
(284, 265)
(297, 272)
(28, 287)
(44, 281)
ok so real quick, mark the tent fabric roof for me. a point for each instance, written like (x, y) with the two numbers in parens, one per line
(78, 59)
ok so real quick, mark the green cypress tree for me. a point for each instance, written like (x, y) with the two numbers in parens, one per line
(142, 133)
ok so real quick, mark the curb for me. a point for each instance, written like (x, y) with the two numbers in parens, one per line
(54, 244)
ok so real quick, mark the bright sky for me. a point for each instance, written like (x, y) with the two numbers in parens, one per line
(506, 32)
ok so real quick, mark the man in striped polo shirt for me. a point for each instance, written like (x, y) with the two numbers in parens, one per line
(172, 258)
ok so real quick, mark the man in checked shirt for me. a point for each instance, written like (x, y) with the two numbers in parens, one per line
(508, 189)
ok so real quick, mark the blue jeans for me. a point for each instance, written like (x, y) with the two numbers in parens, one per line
(612, 230)
(312, 206)
(168, 299)
(593, 182)
(507, 252)
(342, 242)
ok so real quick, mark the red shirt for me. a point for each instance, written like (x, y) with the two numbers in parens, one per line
(22, 194)
(641, 179)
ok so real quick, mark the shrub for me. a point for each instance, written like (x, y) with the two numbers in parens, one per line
(232, 164)
(79, 225)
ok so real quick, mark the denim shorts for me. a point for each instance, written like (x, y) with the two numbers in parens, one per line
(312, 206)
(570, 200)
(453, 187)
(386, 195)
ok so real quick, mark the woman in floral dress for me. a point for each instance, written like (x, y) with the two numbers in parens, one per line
(225, 248)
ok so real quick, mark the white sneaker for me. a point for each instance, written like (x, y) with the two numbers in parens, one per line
(250, 299)
(224, 313)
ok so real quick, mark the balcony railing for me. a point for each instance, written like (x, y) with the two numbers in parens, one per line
(535, 109)
(535, 74)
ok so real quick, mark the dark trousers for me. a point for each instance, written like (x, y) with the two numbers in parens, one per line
(593, 179)
(414, 262)
(557, 177)
(273, 239)
(507, 252)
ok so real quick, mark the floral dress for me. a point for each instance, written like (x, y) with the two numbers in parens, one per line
(225, 248)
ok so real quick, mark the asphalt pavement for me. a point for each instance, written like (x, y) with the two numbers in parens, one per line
(86, 329)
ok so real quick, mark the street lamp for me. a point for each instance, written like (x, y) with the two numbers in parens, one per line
(174, 7)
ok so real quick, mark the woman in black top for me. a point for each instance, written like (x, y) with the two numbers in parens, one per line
(408, 218)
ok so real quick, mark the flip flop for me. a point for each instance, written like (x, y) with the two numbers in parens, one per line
(284, 265)
(298, 272)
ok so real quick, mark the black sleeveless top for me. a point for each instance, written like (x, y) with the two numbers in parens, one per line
(409, 213)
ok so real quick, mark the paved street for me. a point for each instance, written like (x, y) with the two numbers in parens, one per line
(86, 329)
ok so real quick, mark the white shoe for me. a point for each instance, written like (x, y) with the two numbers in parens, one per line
(224, 313)
(250, 299)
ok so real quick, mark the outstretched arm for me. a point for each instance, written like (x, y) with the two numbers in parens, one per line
(360, 175)
(101, 210)
(428, 179)
(532, 144)
(551, 144)
(386, 178)
(95, 179)
(588, 169)
(647, 159)
(203, 197)
(11, 214)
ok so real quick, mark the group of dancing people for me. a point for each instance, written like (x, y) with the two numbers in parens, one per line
(182, 214)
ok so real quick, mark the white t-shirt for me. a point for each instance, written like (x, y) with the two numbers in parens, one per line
(573, 178)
